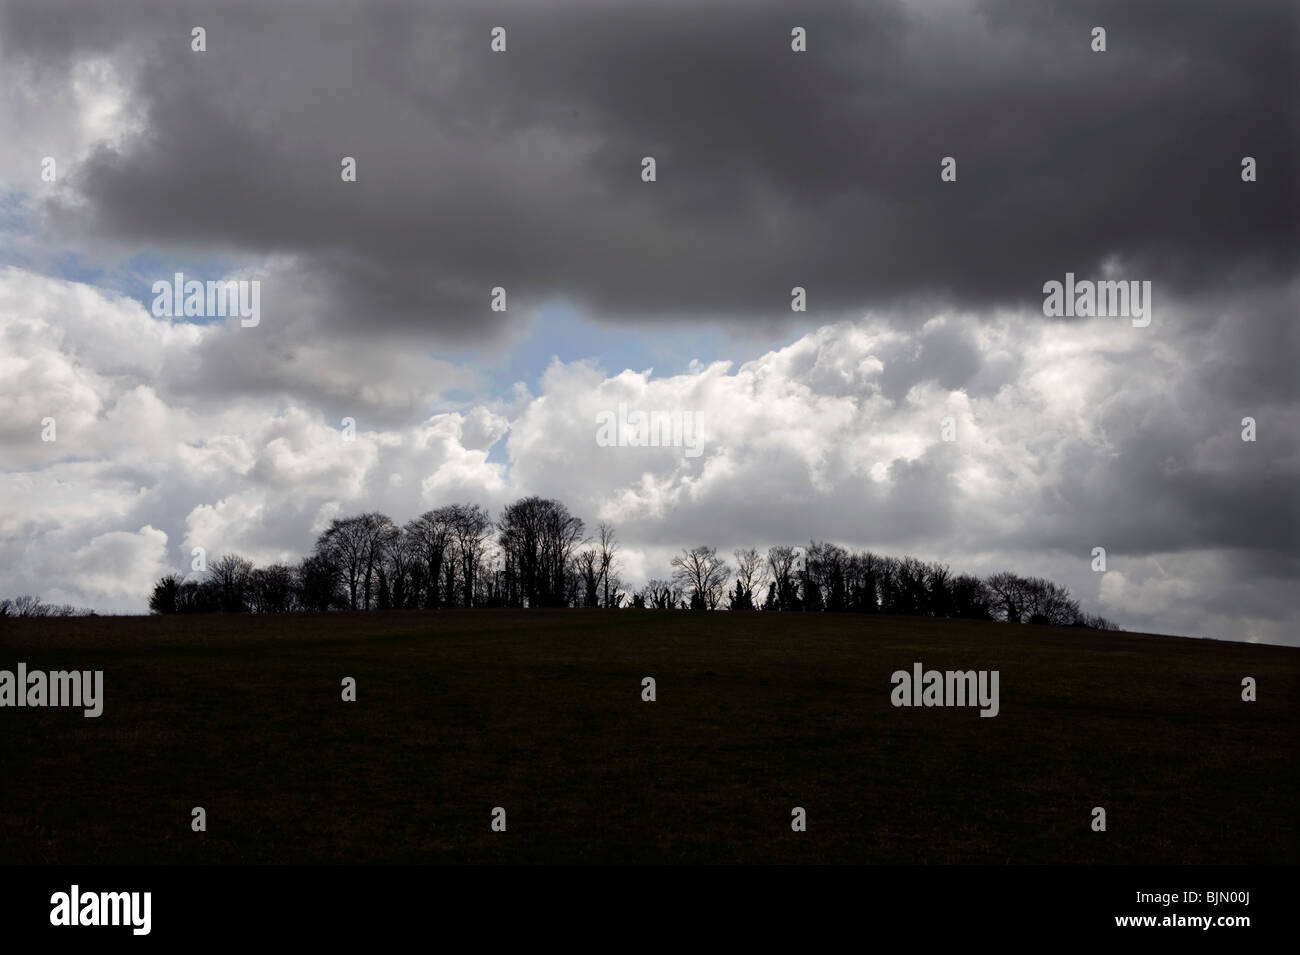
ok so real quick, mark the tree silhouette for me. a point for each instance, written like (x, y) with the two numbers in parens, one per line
(701, 573)
(448, 557)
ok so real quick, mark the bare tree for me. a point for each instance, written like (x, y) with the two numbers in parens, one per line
(596, 568)
(609, 563)
(317, 582)
(471, 527)
(430, 533)
(272, 589)
(30, 606)
(537, 538)
(700, 572)
(781, 565)
(1010, 595)
(344, 546)
(910, 593)
(26, 605)
(751, 570)
(379, 535)
(403, 565)
(587, 566)
(68, 610)
(970, 597)
(661, 594)
(230, 573)
(1049, 603)
(825, 577)
(938, 586)
(355, 546)
(1095, 621)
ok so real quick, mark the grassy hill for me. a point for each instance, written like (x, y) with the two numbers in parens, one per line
(541, 713)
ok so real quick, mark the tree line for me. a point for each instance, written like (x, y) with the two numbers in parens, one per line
(538, 554)
(28, 605)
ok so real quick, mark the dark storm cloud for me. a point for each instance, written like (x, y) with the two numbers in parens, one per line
(775, 168)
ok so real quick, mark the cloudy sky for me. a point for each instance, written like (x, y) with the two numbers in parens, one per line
(522, 169)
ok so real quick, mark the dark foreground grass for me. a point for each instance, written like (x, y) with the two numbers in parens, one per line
(541, 713)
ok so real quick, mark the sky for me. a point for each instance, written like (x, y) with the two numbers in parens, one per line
(922, 404)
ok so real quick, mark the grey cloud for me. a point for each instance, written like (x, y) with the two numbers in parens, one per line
(821, 169)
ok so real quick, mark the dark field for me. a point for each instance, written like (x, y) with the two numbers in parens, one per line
(540, 712)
